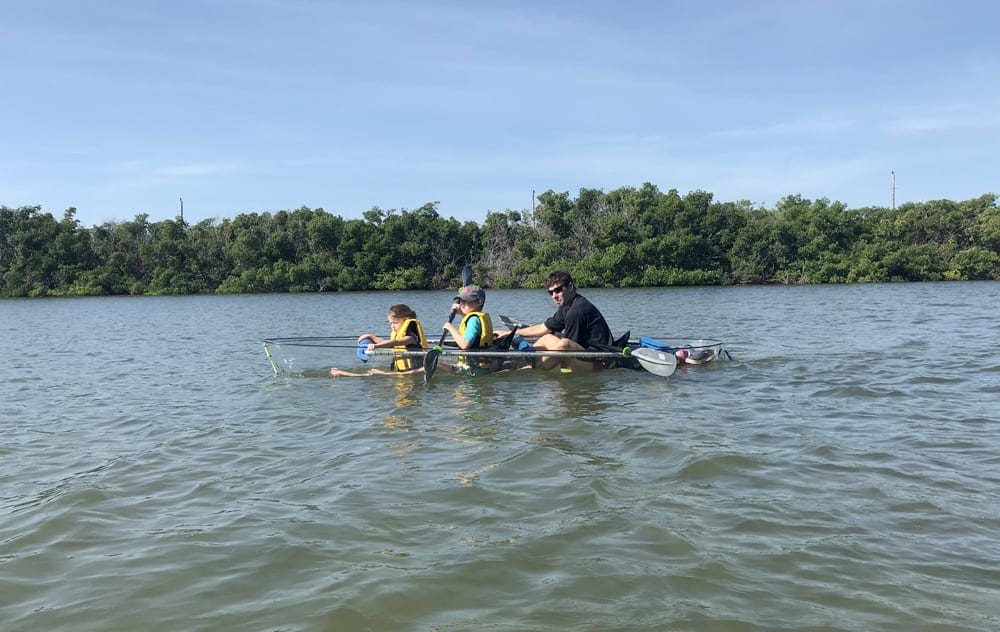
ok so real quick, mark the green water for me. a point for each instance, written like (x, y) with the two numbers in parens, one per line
(839, 474)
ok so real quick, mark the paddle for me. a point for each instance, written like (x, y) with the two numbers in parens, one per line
(510, 323)
(662, 363)
(363, 350)
(431, 359)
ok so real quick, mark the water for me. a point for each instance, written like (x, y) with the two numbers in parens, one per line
(840, 474)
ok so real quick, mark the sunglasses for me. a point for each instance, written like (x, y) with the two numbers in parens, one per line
(557, 290)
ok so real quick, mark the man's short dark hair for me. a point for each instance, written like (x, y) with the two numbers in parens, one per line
(559, 277)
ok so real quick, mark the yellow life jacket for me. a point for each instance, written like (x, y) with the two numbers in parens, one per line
(485, 340)
(405, 363)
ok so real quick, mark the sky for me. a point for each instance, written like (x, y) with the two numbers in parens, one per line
(122, 107)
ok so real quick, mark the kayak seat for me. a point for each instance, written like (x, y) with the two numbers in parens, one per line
(648, 342)
(622, 341)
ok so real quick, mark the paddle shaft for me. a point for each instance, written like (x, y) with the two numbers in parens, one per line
(444, 333)
(466, 280)
(431, 359)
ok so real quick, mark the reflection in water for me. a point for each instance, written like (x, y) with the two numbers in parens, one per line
(473, 398)
(395, 420)
(468, 402)
(475, 402)
(403, 387)
(578, 397)
(403, 391)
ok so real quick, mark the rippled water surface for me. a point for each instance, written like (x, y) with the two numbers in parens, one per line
(841, 473)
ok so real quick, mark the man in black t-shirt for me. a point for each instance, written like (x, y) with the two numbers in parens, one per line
(576, 326)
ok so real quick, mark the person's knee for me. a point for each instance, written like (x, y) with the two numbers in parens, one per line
(548, 341)
(562, 344)
(566, 344)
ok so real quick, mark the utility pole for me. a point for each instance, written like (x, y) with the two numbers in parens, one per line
(532, 201)
(182, 209)
(893, 190)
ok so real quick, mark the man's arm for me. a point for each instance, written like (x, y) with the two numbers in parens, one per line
(534, 331)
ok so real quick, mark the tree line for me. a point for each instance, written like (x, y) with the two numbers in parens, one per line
(627, 237)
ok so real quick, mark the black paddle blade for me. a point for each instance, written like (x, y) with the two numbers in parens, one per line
(431, 359)
(430, 364)
(503, 342)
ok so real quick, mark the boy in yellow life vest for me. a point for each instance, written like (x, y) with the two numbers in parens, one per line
(475, 331)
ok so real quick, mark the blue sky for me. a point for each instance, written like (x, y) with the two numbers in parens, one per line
(124, 107)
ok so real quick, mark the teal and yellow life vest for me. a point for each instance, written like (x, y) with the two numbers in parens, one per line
(405, 363)
(485, 340)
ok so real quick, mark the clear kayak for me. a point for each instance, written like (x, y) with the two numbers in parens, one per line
(314, 356)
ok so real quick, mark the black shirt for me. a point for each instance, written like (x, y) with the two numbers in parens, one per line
(582, 323)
